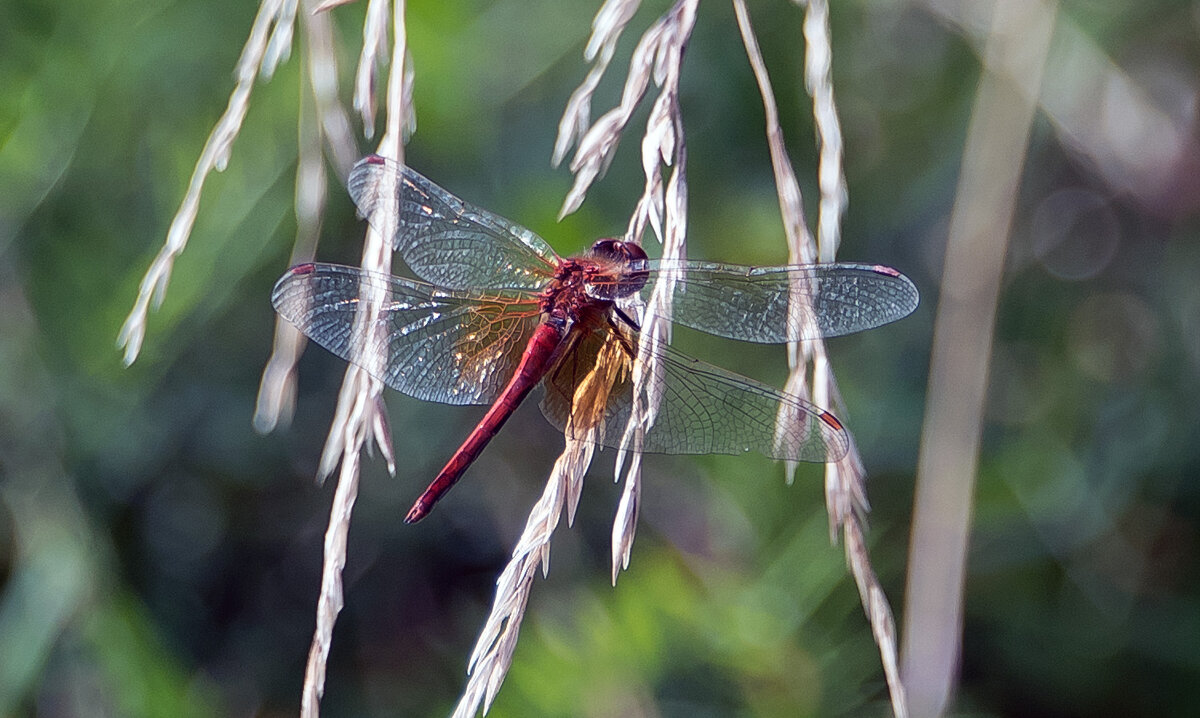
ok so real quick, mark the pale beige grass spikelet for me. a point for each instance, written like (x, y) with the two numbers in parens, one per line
(269, 43)
(658, 55)
(845, 479)
(360, 411)
(323, 126)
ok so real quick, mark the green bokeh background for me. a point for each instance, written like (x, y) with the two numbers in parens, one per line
(159, 558)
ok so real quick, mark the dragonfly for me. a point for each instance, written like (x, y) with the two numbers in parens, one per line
(495, 313)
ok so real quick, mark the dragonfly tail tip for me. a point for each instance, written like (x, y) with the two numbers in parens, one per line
(417, 512)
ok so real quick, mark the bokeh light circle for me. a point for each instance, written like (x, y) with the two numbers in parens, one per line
(1075, 234)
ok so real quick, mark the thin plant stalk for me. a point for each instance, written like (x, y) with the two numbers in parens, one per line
(997, 139)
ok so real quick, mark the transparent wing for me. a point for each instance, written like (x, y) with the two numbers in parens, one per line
(704, 409)
(430, 343)
(751, 303)
(445, 240)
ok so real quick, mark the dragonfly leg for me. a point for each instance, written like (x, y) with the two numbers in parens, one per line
(625, 318)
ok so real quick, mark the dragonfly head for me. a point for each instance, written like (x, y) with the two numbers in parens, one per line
(628, 269)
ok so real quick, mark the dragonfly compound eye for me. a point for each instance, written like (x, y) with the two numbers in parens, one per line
(630, 261)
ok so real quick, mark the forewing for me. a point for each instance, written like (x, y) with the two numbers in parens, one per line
(752, 303)
(443, 239)
(430, 343)
(704, 410)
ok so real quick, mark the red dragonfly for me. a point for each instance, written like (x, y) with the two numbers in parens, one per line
(499, 312)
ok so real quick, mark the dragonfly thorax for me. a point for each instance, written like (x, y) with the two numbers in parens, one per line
(585, 287)
(567, 299)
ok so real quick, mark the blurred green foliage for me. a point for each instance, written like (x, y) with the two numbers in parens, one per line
(158, 558)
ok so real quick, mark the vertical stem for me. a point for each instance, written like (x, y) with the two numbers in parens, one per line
(963, 329)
